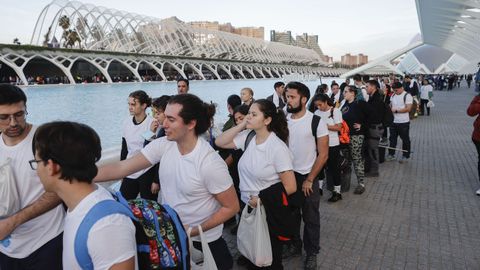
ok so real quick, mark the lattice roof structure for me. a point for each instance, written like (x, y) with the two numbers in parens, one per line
(101, 28)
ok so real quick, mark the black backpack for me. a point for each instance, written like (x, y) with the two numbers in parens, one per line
(314, 126)
(387, 119)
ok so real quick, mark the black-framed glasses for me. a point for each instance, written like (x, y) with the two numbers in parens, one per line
(18, 117)
(34, 163)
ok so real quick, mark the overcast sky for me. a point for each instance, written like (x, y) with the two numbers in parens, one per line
(372, 27)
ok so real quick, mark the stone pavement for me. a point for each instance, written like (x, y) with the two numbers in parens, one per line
(419, 215)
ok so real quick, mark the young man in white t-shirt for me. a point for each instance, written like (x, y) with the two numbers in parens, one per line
(65, 156)
(194, 179)
(31, 237)
(401, 104)
(309, 157)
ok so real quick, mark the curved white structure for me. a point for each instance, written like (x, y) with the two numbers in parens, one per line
(449, 24)
(101, 28)
(109, 39)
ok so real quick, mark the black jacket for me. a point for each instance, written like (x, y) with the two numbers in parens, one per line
(280, 217)
(376, 109)
(281, 104)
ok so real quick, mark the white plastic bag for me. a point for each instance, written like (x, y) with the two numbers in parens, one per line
(253, 238)
(196, 255)
(10, 202)
(430, 104)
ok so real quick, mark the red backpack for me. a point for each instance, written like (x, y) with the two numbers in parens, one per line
(344, 133)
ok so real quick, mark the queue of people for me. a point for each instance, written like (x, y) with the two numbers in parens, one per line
(275, 153)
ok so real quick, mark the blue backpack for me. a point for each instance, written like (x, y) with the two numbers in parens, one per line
(162, 242)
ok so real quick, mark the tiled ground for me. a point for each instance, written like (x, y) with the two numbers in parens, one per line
(419, 215)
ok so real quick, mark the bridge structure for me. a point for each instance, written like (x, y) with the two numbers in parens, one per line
(69, 34)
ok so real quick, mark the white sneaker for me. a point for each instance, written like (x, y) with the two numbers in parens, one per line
(389, 158)
(478, 192)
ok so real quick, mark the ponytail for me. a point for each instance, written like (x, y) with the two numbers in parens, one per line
(193, 108)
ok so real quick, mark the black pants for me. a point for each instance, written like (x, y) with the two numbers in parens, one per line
(477, 146)
(307, 208)
(221, 254)
(48, 256)
(423, 105)
(375, 133)
(131, 187)
(402, 130)
(333, 166)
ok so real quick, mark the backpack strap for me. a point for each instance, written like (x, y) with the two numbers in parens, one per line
(97, 212)
(250, 136)
(181, 234)
(315, 122)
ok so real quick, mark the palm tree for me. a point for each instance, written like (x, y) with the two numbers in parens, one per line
(16, 41)
(64, 22)
(72, 38)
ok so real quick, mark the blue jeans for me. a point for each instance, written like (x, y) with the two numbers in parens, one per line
(402, 130)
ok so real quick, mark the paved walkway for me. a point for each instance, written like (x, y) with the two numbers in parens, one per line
(419, 215)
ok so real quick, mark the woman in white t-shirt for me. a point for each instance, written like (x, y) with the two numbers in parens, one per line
(266, 161)
(134, 128)
(333, 117)
(426, 93)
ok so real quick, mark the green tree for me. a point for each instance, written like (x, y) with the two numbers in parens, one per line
(72, 38)
(64, 23)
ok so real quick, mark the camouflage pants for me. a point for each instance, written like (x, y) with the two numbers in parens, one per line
(356, 147)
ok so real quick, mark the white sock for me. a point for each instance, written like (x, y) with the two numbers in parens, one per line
(337, 189)
(320, 184)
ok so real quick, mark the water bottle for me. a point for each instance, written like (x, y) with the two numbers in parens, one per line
(5, 242)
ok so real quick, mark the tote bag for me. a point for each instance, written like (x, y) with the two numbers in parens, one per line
(253, 238)
(208, 262)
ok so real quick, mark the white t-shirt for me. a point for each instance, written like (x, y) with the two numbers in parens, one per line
(333, 139)
(189, 181)
(425, 90)
(301, 141)
(110, 241)
(33, 234)
(396, 101)
(260, 164)
(133, 136)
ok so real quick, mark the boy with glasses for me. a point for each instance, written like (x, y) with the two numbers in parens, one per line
(35, 231)
(65, 157)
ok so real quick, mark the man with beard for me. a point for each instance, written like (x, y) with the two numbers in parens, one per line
(34, 230)
(308, 141)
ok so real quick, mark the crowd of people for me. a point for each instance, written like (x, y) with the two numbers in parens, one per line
(280, 152)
